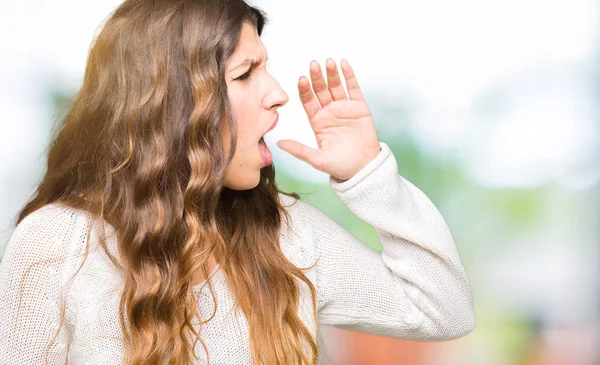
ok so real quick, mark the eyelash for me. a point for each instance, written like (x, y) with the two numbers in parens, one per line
(247, 74)
(244, 76)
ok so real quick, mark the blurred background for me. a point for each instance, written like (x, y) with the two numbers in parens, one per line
(491, 107)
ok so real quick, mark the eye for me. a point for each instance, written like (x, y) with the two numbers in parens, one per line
(244, 76)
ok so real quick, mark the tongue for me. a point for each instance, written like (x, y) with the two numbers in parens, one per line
(264, 152)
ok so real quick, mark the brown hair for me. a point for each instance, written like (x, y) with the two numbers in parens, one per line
(141, 149)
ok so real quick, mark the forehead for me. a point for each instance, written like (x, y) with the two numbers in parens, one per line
(249, 46)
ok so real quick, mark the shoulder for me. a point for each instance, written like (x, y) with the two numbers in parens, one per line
(299, 210)
(48, 233)
(303, 212)
(297, 236)
(52, 215)
(53, 220)
(307, 220)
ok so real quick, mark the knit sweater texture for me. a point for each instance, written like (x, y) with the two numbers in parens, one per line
(415, 289)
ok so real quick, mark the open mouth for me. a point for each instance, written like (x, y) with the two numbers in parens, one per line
(265, 153)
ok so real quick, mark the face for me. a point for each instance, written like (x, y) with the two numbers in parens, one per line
(255, 97)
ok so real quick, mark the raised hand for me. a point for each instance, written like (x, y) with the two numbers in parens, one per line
(343, 126)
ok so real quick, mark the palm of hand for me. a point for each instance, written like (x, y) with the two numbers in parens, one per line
(344, 127)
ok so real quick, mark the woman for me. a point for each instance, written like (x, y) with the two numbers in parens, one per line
(158, 234)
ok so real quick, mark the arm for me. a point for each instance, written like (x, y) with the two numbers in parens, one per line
(33, 270)
(417, 287)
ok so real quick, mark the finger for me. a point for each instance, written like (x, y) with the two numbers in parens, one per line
(351, 81)
(319, 85)
(301, 151)
(309, 103)
(334, 82)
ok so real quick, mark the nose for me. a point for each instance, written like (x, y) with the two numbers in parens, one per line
(276, 96)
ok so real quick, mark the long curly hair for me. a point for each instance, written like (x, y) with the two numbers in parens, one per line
(141, 149)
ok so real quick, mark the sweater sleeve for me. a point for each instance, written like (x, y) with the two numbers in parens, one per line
(36, 265)
(417, 287)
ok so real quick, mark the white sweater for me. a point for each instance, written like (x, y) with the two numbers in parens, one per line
(415, 289)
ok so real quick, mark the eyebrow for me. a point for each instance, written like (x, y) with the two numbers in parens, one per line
(250, 61)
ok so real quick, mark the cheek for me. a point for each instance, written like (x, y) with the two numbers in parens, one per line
(245, 112)
(239, 98)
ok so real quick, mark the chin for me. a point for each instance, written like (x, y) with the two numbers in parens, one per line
(243, 184)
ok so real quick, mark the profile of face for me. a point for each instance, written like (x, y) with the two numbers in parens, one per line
(254, 96)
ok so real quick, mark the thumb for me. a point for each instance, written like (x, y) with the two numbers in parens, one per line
(303, 152)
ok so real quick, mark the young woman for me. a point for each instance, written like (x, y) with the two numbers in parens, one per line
(158, 234)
